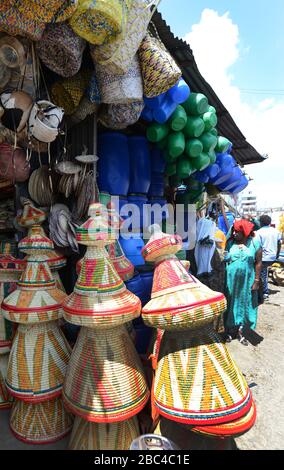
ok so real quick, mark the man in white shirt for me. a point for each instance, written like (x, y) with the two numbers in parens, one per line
(270, 241)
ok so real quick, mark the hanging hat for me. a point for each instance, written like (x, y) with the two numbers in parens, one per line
(12, 52)
(17, 106)
(36, 299)
(105, 381)
(61, 50)
(5, 397)
(197, 382)
(99, 436)
(45, 120)
(234, 429)
(40, 423)
(100, 298)
(178, 299)
(38, 362)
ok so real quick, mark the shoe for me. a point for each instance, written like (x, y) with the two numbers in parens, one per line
(241, 337)
(265, 297)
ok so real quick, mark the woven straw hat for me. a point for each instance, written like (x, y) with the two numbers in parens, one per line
(40, 423)
(197, 382)
(61, 50)
(36, 299)
(5, 397)
(235, 428)
(105, 382)
(12, 52)
(178, 300)
(99, 436)
(37, 362)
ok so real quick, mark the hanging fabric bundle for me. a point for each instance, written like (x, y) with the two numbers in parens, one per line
(159, 70)
(118, 54)
(99, 21)
(122, 88)
(26, 18)
(61, 50)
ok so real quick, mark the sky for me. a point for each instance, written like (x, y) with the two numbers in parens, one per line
(238, 46)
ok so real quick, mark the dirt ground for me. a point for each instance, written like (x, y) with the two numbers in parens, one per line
(263, 367)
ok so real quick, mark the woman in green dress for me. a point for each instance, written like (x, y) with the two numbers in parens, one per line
(243, 265)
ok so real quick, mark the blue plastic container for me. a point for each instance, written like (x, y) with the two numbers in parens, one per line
(224, 159)
(157, 185)
(232, 181)
(156, 102)
(224, 175)
(139, 215)
(212, 170)
(241, 186)
(140, 164)
(164, 112)
(157, 215)
(201, 176)
(147, 114)
(179, 92)
(221, 222)
(158, 162)
(143, 335)
(132, 245)
(146, 273)
(135, 285)
(113, 163)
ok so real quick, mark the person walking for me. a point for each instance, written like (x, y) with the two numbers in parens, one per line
(270, 242)
(243, 265)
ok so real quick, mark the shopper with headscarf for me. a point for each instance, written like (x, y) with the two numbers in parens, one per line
(243, 266)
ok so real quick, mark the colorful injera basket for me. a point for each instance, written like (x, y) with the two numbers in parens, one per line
(105, 381)
(37, 362)
(40, 423)
(178, 299)
(36, 299)
(235, 428)
(5, 397)
(100, 298)
(30, 215)
(99, 436)
(10, 272)
(197, 382)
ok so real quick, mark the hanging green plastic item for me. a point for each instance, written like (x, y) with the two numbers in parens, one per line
(201, 162)
(170, 169)
(162, 144)
(194, 127)
(196, 104)
(209, 141)
(178, 119)
(184, 167)
(168, 157)
(176, 144)
(223, 145)
(214, 132)
(212, 156)
(157, 132)
(193, 148)
(211, 109)
(210, 120)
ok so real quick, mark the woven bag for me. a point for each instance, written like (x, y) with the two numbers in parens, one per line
(68, 93)
(159, 70)
(26, 18)
(120, 116)
(122, 88)
(61, 50)
(13, 165)
(117, 55)
(99, 21)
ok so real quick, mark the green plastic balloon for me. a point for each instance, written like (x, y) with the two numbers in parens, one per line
(170, 169)
(193, 147)
(194, 127)
(222, 144)
(210, 120)
(214, 132)
(212, 156)
(157, 132)
(162, 144)
(196, 104)
(184, 167)
(176, 144)
(178, 119)
(209, 141)
(201, 162)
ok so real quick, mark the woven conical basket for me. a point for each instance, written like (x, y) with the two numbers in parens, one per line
(5, 397)
(105, 381)
(37, 362)
(40, 423)
(99, 436)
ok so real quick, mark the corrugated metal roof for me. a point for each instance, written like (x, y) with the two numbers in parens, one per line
(243, 152)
